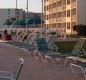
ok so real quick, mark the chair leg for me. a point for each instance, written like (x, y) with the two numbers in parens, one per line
(26, 52)
(71, 65)
(60, 59)
(49, 58)
(36, 54)
(42, 57)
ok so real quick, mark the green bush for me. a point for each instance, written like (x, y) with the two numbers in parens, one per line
(53, 33)
(80, 29)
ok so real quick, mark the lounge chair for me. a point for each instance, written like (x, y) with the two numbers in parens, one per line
(19, 41)
(75, 52)
(14, 76)
(78, 64)
(50, 42)
(42, 49)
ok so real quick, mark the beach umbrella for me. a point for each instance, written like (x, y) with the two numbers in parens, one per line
(16, 22)
(22, 22)
(8, 23)
(19, 23)
(33, 20)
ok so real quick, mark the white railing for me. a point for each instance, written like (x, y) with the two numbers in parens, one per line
(73, 5)
(54, 10)
(73, 18)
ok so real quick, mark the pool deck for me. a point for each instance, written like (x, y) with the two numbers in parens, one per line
(34, 69)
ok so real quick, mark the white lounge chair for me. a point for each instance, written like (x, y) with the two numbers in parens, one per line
(14, 76)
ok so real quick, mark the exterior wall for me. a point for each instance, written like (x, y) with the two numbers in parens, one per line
(81, 12)
(56, 15)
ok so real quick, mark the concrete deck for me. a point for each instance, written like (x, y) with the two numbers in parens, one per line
(34, 69)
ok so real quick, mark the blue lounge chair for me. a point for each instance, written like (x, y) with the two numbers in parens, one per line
(42, 49)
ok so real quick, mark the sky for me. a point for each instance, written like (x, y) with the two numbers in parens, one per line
(33, 5)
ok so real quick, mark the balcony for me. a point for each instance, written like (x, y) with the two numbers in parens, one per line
(73, 5)
(54, 1)
(73, 18)
(59, 8)
(54, 20)
(54, 10)
(64, 7)
(59, 20)
(50, 11)
(47, 2)
(58, 0)
(64, 19)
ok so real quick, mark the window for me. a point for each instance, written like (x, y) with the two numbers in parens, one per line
(47, 17)
(47, 8)
(68, 25)
(8, 9)
(68, 13)
(68, 2)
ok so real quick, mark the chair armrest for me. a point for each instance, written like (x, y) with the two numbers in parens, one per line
(54, 47)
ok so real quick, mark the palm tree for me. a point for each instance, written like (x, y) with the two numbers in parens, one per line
(36, 16)
(13, 19)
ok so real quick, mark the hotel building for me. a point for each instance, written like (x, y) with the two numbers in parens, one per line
(62, 15)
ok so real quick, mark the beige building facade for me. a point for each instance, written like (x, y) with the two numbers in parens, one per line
(62, 15)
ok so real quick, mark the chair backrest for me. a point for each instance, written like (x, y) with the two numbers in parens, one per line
(24, 37)
(20, 36)
(51, 40)
(19, 68)
(42, 45)
(77, 48)
(31, 39)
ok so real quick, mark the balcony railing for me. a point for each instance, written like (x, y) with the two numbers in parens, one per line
(73, 18)
(64, 19)
(50, 11)
(64, 7)
(54, 20)
(73, 5)
(54, 10)
(59, 8)
(59, 19)
(54, 1)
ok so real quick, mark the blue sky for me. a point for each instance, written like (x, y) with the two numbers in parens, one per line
(33, 5)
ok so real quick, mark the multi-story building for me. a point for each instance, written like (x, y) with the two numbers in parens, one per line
(62, 15)
(18, 14)
(6, 14)
(31, 15)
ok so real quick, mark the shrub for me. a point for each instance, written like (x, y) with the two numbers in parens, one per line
(53, 33)
(80, 29)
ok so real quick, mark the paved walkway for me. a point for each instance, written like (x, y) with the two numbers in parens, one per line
(34, 69)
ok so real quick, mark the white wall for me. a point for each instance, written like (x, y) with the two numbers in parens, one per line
(81, 12)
